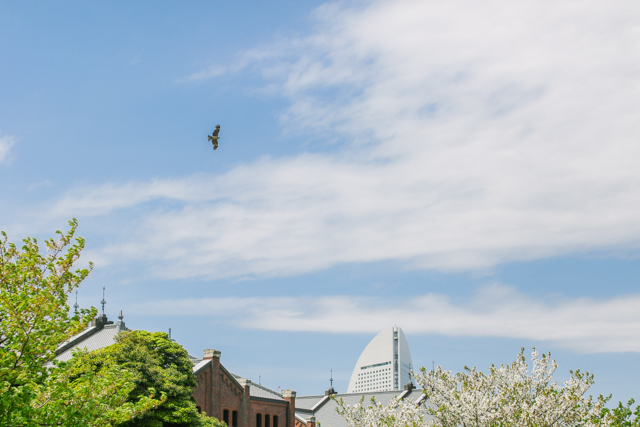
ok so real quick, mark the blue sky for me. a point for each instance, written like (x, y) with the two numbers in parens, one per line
(465, 171)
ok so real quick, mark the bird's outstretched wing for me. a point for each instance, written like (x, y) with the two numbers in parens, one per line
(213, 138)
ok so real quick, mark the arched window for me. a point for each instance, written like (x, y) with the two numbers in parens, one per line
(258, 420)
(225, 416)
(267, 421)
(275, 421)
(234, 420)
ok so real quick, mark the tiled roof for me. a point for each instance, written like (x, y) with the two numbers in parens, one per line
(308, 402)
(326, 413)
(95, 340)
(257, 390)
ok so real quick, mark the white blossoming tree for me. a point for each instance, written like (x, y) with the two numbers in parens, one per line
(507, 396)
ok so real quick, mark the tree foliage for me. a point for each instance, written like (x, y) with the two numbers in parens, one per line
(623, 415)
(159, 364)
(34, 320)
(77, 393)
(507, 396)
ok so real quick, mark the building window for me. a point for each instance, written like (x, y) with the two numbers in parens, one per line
(275, 421)
(199, 409)
(258, 420)
(267, 421)
(225, 416)
(234, 421)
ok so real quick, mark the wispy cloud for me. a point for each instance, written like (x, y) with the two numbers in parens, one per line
(581, 324)
(245, 59)
(6, 142)
(210, 72)
(479, 133)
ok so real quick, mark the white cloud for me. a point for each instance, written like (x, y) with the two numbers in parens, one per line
(480, 133)
(244, 60)
(6, 142)
(581, 324)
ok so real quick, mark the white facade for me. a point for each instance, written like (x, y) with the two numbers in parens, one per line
(384, 364)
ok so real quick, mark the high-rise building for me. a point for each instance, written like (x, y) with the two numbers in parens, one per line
(384, 364)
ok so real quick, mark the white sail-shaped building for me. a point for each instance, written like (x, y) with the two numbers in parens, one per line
(384, 364)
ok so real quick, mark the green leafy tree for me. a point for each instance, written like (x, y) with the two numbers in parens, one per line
(77, 393)
(162, 365)
(34, 320)
(623, 415)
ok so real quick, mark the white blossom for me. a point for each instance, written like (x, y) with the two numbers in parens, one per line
(506, 396)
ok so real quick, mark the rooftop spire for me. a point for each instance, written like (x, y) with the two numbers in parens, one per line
(76, 306)
(331, 391)
(103, 302)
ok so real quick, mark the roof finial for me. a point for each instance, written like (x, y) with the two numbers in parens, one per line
(169, 333)
(75, 306)
(121, 316)
(103, 302)
(331, 391)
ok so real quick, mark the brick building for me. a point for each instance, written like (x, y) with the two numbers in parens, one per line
(231, 398)
(238, 401)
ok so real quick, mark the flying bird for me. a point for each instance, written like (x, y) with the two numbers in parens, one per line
(214, 137)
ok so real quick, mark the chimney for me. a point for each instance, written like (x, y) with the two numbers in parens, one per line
(100, 321)
(245, 405)
(290, 397)
(209, 353)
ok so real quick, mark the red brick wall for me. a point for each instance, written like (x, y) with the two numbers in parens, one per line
(217, 391)
(229, 396)
(278, 409)
(203, 391)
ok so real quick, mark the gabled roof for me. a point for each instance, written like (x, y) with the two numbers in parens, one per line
(199, 364)
(92, 338)
(255, 390)
(324, 409)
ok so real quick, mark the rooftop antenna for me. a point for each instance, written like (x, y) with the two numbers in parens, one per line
(103, 302)
(259, 379)
(75, 306)
(331, 379)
